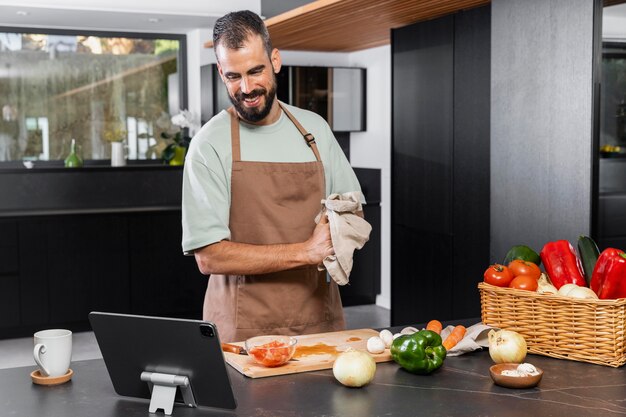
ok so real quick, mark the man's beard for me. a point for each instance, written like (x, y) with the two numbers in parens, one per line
(254, 114)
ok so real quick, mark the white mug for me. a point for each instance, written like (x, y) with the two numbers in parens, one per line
(53, 351)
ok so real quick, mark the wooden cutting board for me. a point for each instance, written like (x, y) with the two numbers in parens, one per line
(313, 351)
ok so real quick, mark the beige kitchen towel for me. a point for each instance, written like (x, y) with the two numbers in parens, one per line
(475, 338)
(348, 232)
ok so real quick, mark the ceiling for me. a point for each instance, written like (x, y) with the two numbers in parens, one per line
(351, 25)
(322, 25)
(157, 16)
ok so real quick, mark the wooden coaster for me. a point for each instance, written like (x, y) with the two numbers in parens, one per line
(50, 380)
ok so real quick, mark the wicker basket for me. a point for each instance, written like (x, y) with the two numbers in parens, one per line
(560, 327)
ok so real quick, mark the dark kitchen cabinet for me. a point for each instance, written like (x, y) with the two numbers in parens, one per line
(365, 276)
(164, 281)
(86, 265)
(68, 252)
(440, 166)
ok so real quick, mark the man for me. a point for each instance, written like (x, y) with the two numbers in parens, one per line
(254, 179)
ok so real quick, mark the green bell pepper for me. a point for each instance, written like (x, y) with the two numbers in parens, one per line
(419, 353)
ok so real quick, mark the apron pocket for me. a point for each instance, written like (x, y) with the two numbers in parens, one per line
(283, 299)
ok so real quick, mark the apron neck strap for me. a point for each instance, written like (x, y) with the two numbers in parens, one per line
(236, 138)
(308, 137)
(234, 133)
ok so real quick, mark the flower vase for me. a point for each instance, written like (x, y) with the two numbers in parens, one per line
(179, 156)
(73, 160)
(117, 154)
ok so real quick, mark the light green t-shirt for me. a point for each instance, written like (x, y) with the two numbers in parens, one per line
(206, 179)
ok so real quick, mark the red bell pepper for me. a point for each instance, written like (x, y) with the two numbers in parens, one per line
(609, 275)
(562, 264)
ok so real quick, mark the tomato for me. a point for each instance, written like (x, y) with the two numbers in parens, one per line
(272, 354)
(498, 275)
(519, 267)
(524, 282)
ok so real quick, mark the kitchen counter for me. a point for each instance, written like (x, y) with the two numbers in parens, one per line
(51, 191)
(462, 387)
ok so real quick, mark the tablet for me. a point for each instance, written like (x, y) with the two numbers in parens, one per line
(132, 345)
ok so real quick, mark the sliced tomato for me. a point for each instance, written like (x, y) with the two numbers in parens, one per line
(271, 354)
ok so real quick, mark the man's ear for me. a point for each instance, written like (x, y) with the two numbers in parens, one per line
(277, 63)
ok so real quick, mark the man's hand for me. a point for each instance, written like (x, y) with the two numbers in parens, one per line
(234, 258)
(319, 245)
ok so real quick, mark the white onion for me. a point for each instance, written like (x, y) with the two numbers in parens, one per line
(506, 346)
(354, 368)
(582, 292)
(566, 288)
(375, 345)
(544, 286)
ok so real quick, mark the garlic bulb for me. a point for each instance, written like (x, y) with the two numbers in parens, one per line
(408, 330)
(387, 337)
(397, 335)
(375, 345)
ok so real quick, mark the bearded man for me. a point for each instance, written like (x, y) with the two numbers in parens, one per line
(254, 178)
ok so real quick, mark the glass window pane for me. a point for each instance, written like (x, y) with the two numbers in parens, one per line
(95, 89)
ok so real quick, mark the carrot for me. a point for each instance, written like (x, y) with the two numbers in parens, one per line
(455, 337)
(435, 326)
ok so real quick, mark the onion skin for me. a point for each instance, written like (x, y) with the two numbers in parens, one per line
(506, 346)
(354, 368)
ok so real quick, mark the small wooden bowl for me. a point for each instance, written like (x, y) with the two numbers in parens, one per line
(50, 380)
(518, 382)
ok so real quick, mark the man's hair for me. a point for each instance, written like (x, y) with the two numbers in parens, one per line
(233, 29)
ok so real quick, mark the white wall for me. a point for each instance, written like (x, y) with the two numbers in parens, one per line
(372, 148)
(614, 22)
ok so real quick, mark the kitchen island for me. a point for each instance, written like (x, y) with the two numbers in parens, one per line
(462, 387)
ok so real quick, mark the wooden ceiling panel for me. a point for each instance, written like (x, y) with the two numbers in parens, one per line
(352, 25)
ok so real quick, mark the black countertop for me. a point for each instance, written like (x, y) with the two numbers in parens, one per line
(462, 387)
(89, 190)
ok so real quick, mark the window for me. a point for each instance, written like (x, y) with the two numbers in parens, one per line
(94, 87)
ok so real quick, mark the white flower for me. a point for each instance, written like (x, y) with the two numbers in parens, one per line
(185, 120)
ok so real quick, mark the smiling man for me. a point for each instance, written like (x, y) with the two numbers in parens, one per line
(253, 182)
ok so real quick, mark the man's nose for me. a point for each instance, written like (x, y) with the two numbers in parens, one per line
(245, 85)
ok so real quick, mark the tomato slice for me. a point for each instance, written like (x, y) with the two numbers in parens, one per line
(270, 354)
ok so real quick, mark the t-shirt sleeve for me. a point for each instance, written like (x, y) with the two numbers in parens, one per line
(342, 176)
(205, 202)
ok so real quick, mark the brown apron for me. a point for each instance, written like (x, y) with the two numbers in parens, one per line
(271, 203)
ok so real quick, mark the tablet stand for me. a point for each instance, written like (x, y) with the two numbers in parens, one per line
(163, 389)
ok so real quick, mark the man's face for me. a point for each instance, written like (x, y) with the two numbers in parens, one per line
(249, 76)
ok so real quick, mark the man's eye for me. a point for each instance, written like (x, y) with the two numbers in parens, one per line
(232, 77)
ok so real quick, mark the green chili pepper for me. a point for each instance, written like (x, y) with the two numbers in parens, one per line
(419, 353)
